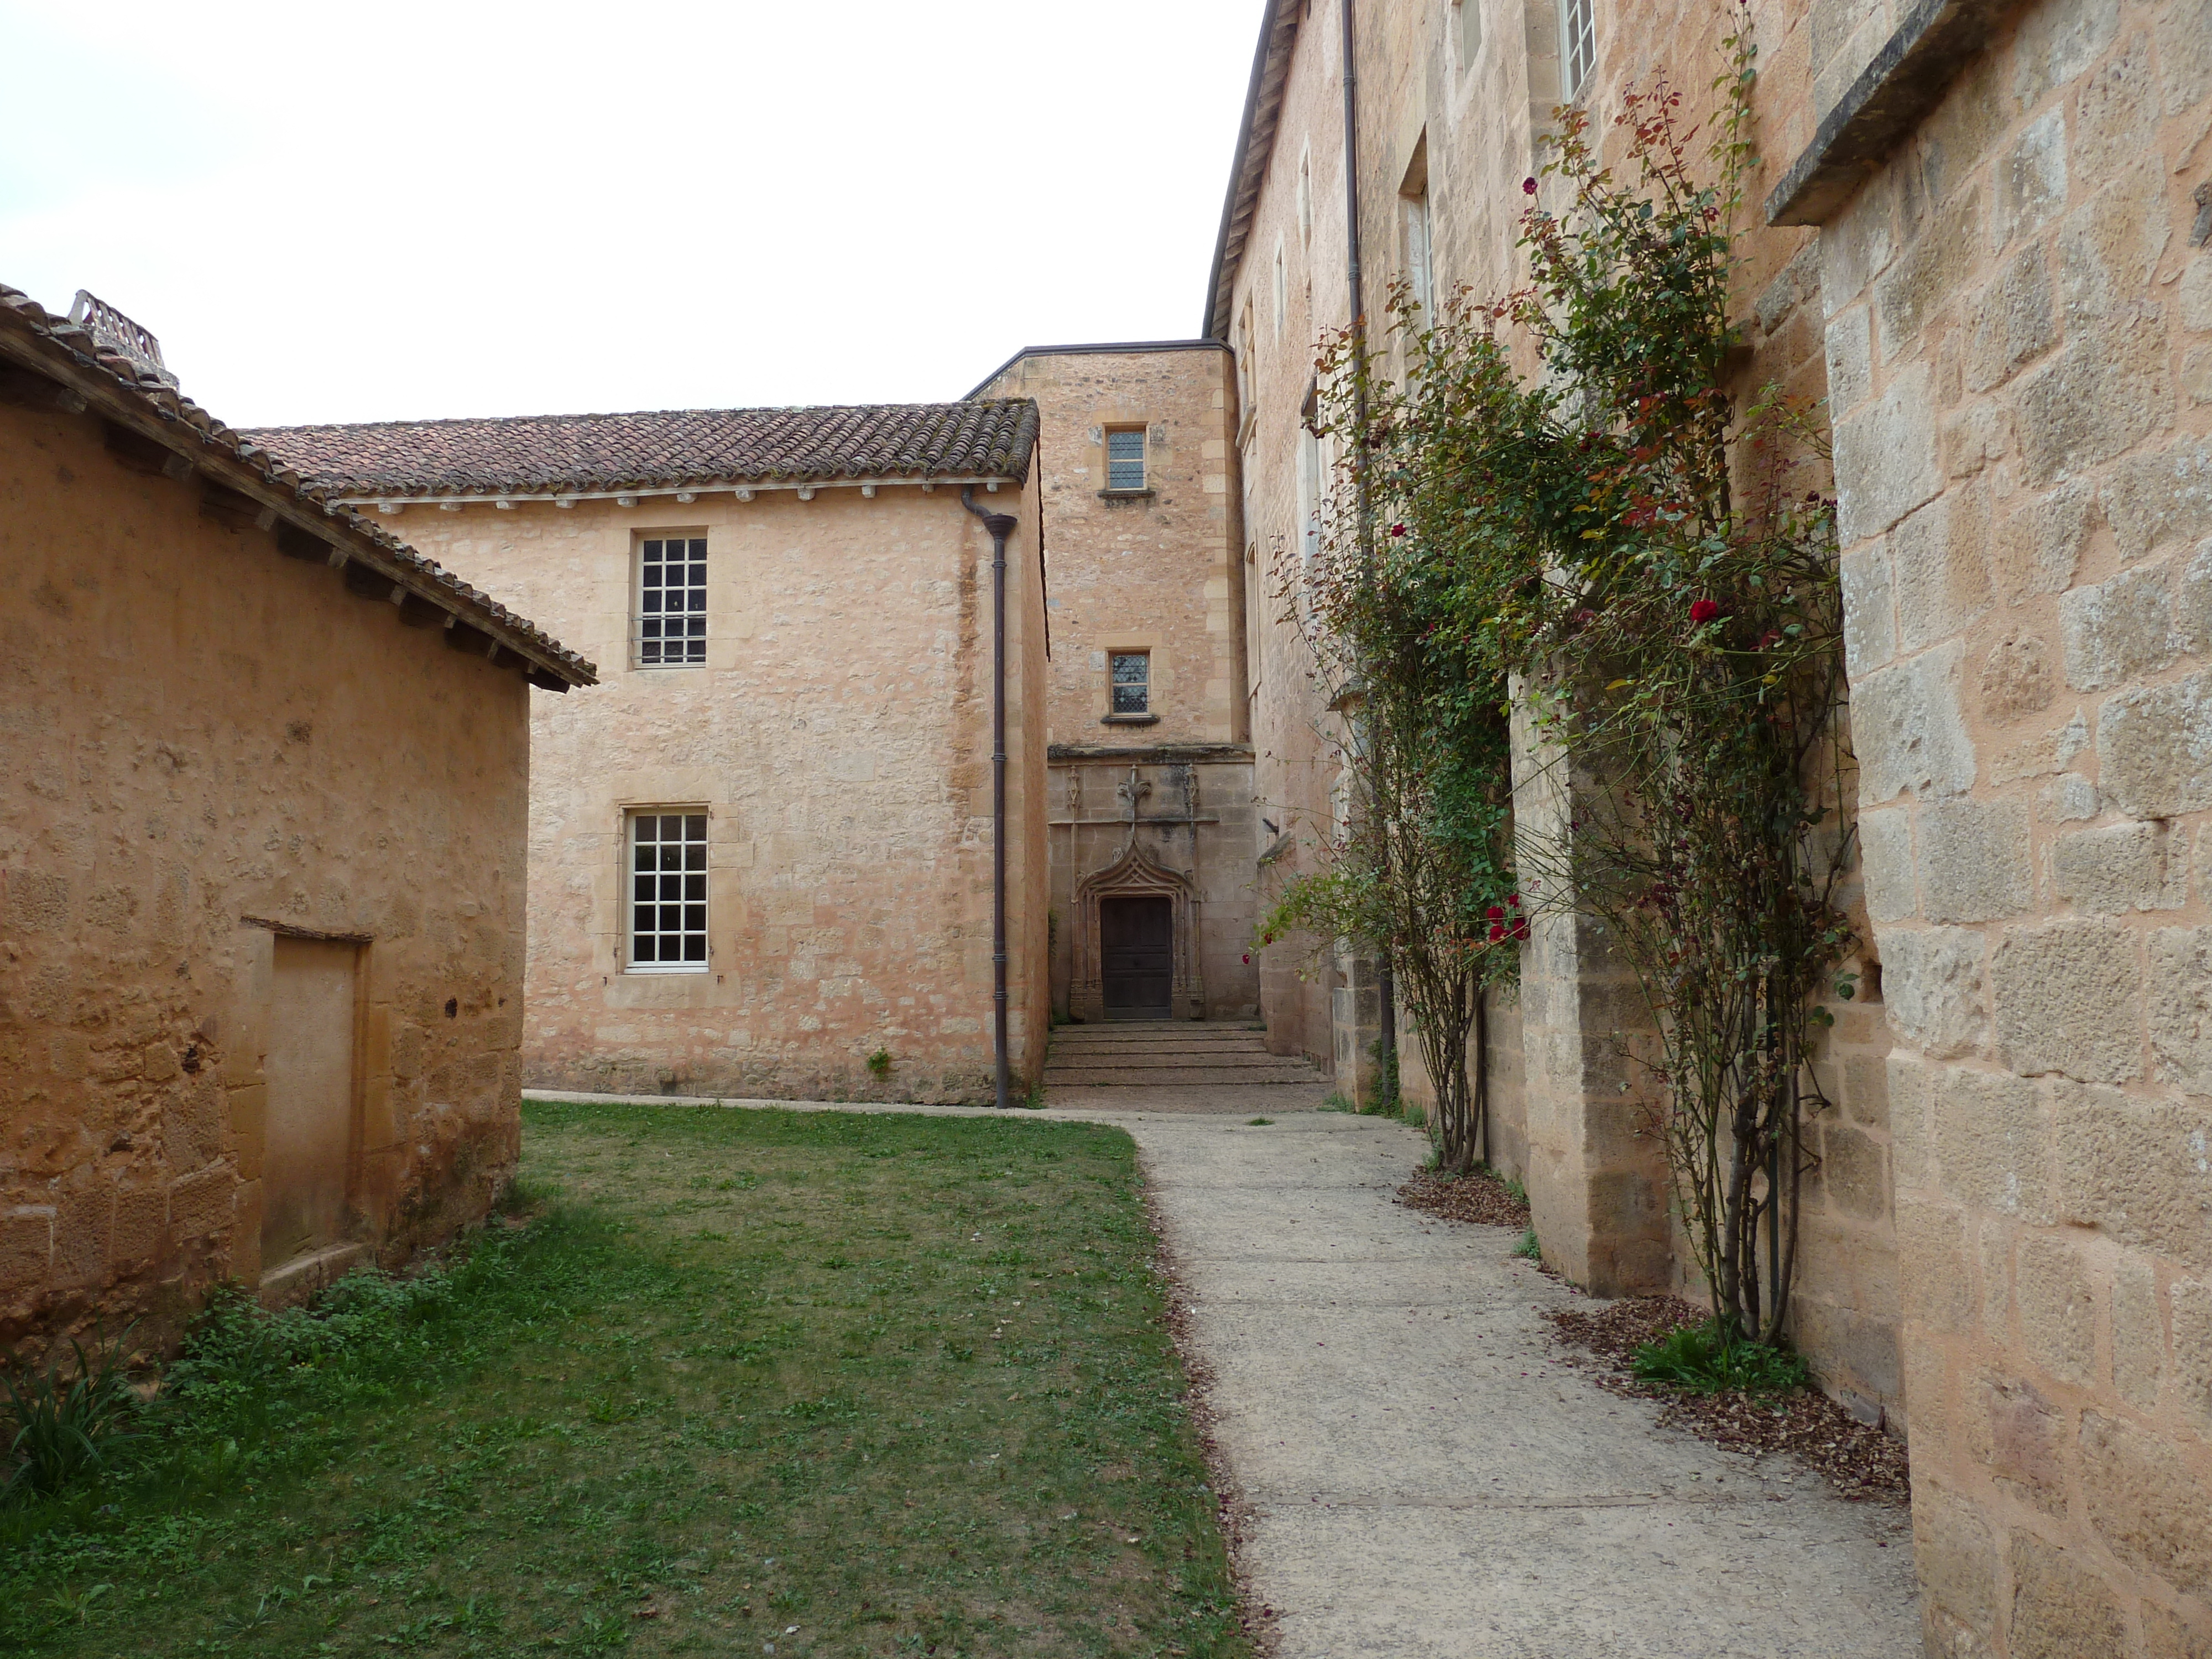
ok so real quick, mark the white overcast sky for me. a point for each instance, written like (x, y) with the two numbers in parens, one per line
(396, 209)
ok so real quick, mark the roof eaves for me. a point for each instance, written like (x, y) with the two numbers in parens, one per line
(1255, 141)
(120, 393)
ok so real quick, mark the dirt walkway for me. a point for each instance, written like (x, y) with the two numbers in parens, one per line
(1423, 1478)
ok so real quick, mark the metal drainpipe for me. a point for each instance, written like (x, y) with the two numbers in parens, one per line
(1386, 988)
(1000, 525)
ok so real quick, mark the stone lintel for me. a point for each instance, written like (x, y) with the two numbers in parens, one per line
(1893, 95)
(1150, 754)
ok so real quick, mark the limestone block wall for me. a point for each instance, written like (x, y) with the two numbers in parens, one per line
(1452, 118)
(2019, 338)
(1195, 820)
(1158, 571)
(213, 751)
(1501, 1059)
(838, 739)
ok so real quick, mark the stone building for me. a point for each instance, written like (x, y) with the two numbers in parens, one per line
(261, 855)
(1149, 791)
(1982, 246)
(796, 609)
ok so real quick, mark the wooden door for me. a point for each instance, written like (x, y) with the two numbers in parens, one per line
(1136, 958)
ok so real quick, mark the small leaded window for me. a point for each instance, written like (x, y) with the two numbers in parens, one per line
(1125, 459)
(1132, 682)
(668, 890)
(671, 602)
(1577, 42)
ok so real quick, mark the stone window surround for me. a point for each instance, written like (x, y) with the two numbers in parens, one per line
(1150, 645)
(1110, 430)
(625, 897)
(1141, 684)
(639, 536)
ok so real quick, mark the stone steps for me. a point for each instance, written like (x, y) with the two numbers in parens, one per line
(1154, 1053)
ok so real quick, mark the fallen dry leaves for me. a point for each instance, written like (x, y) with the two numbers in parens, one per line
(1478, 1196)
(1859, 1459)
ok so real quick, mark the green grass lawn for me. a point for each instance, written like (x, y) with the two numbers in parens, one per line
(898, 1382)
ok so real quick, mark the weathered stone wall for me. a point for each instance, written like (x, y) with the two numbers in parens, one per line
(2019, 339)
(1464, 130)
(1156, 572)
(1159, 572)
(1501, 1061)
(839, 738)
(198, 732)
(1194, 818)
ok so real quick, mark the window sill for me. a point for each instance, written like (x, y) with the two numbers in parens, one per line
(645, 970)
(1127, 495)
(1128, 719)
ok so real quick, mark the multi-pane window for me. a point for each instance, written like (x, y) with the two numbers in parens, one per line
(1577, 42)
(1125, 457)
(668, 890)
(672, 601)
(1132, 674)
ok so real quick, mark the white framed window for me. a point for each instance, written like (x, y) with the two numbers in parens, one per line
(1130, 675)
(1125, 457)
(667, 868)
(1577, 44)
(672, 601)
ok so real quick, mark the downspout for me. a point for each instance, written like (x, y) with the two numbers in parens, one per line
(1000, 525)
(1385, 982)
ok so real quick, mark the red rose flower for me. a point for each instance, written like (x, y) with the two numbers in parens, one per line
(1496, 932)
(1704, 610)
(1495, 913)
(1520, 928)
(1248, 956)
(1528, 186)
(1513, 899)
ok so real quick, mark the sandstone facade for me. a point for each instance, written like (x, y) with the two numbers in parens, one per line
(1154, 806)
(261, 863)
(2018, 300)
(837, 741)
(1983, 248)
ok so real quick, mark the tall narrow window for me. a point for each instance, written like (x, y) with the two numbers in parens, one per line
(1309, 506)
(1244, 366)
(1467, 15)
(668, 892)
(1578, 43)
(1282, 290)
(1305, 197)
(1415, 210)
(672, 601)
(1132, 682)
(1125, 457)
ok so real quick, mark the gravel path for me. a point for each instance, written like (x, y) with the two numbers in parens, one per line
(1422, 1476)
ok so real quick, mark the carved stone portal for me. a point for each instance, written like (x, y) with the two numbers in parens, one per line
(1134, 874)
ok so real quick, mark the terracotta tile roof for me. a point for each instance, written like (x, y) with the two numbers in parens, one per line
(556, 454)
(131, 397)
